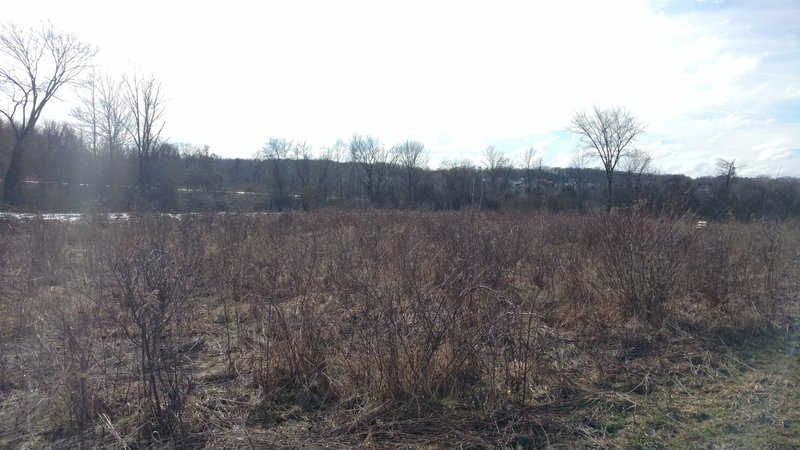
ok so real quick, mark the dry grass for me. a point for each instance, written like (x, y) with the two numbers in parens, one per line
(377, 329)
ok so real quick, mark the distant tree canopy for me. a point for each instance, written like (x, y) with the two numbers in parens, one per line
(64, 173)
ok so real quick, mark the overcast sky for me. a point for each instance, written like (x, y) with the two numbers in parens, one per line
(710, 79)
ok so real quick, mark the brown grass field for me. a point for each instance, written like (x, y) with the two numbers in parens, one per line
(391, 329)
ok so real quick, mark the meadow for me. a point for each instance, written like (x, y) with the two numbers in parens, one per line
(381, 328)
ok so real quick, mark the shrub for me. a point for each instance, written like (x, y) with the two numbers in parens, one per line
(154, 266)
(640, 260)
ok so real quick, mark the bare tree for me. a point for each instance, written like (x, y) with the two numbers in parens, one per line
(336, 153)
(301, 154)
(635, 165)
(498, 169)
(412, 158)
(726, 168)
(88, 113)
(376, 162)
(115, 117)
(609, 133)
(146, 106)
(323, 183)
(103, 114)
(275, 151)
(530, 162)
(35, 66)
(578, 162)
(495, 160)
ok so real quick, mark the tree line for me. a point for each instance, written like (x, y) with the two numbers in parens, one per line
(113, 156)
(63, 173)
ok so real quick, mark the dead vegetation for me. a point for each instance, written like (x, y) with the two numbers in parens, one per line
(378, 328)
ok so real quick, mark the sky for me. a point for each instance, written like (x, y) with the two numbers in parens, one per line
(709, 79)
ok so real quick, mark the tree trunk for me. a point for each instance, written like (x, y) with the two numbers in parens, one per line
(12, 183)
(409, 188)
(144, 175)
(608, 201)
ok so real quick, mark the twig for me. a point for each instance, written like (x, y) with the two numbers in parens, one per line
(107, 422)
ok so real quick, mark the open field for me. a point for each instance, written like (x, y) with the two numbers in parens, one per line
(398, 329)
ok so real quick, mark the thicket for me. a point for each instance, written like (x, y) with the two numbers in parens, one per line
(376, 327)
